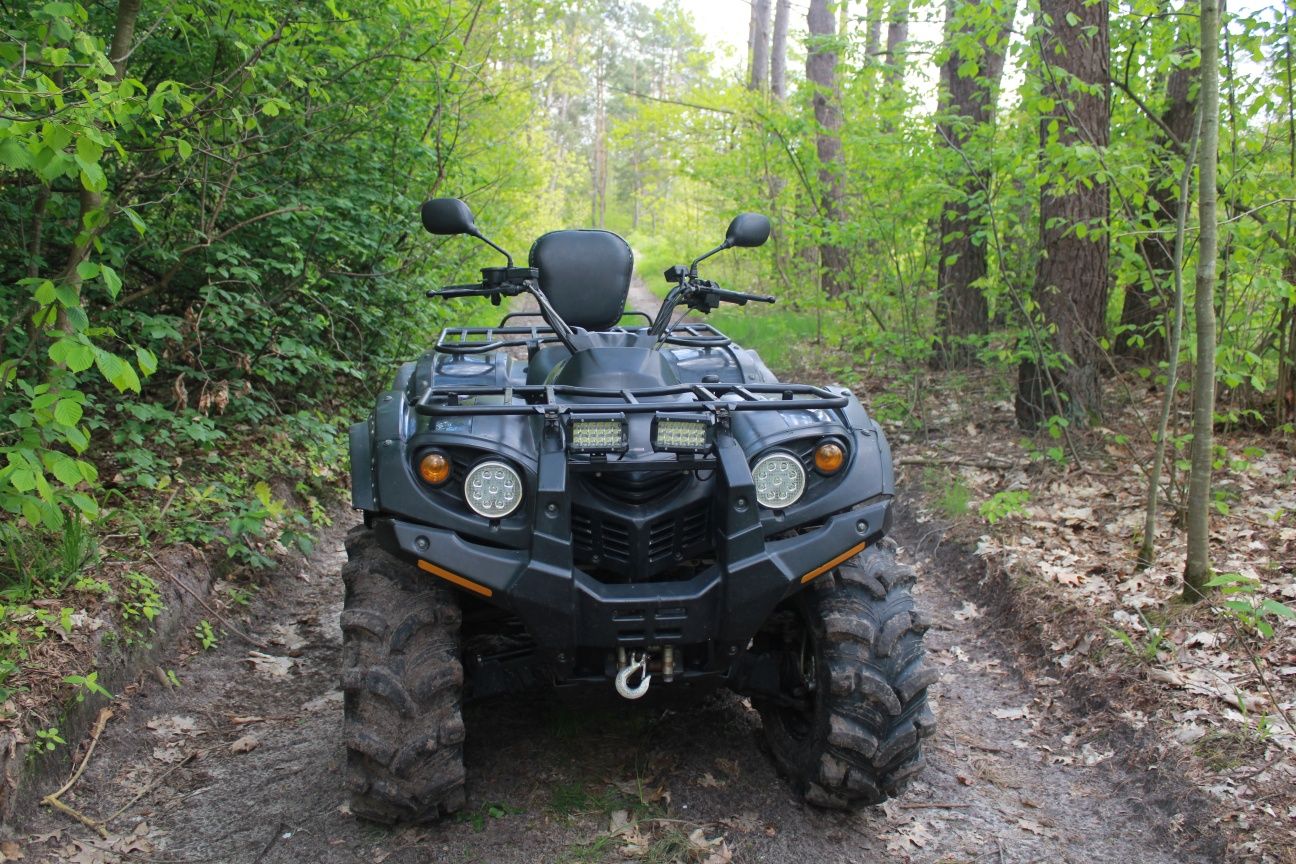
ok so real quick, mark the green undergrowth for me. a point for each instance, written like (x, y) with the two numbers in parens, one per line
(245, 494)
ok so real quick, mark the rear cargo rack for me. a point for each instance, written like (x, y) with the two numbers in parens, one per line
(559, 399)
(482, 340)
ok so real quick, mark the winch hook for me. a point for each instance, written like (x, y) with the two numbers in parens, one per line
(638, 664)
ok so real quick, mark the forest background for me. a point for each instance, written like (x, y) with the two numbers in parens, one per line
(988, 217)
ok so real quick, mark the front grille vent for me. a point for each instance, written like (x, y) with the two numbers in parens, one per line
(607, 542)
(637, 487)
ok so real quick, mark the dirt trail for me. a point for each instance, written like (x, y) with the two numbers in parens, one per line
(1005, 781)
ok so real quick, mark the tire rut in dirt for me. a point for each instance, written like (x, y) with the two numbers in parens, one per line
(403, 685)
(862, 742)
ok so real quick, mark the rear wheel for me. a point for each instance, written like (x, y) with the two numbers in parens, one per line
(403, 685)
(853, 646)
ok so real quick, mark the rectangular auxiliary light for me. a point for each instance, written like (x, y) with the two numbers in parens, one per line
(681, 434)
(598, 435)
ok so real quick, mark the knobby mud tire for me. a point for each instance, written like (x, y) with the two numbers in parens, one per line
(861, 742)
(403, 688)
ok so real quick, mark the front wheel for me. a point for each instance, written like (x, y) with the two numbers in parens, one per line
(852, 645)
(403, 685)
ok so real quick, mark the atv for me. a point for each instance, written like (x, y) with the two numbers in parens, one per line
(586, 495)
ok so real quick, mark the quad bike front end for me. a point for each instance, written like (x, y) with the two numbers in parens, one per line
(638, 530)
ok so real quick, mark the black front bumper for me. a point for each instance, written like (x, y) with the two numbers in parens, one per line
(565, 608)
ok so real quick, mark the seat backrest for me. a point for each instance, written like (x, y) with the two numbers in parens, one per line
(585, 274)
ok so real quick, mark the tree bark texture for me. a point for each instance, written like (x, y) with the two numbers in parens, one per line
(969, 103)
(91, 203)
(1071, 278)
(778, 49)
(821, 70)
(1142, 332)
(873, 42)
(897, 36)
(759, 59)
(1197, 565)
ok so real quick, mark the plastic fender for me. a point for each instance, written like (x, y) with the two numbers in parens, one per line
(364, 495)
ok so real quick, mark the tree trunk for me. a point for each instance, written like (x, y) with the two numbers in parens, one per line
(821, 70)
(759, 58)
(1142, 331)
(778, 50)
(1197, 566)
(1071, 277)
(969, 101)
(873, 43)
(897, 36)
(91, 203)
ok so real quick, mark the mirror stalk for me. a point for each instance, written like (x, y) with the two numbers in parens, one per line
(693, 271)
(482, 237)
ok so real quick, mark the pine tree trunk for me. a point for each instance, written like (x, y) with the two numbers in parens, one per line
(778, 49)
(758, 69)
(1142, 334)
(821, 70)
(962, 311)
(1197, 566)
(1071, 277)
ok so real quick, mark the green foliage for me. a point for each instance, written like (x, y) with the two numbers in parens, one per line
(1245, 601)
(1001, 505)
(205, 635)
(48, 739)
(140, 602)
(87, 684)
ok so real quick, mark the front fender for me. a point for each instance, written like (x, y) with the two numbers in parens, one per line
(364, 494)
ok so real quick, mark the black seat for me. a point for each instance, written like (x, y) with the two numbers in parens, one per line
(585, 274)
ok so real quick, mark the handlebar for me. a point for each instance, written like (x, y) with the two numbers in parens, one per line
(740, 297)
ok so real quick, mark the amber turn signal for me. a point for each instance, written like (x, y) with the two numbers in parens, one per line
(829, 457)
(434, 468)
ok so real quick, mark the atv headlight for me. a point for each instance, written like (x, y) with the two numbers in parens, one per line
(681, 434)
(779, 480)
(493, 489)
(598, 436)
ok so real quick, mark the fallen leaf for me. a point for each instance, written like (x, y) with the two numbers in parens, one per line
(246, 744)
(1021, 713)
(11, 851)
(174, 726)
(708, 781)
(268, 664)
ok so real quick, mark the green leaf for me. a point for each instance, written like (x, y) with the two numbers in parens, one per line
(87, 270)
(87, 505)
(118, 371)
(111, 280)
(65, 470)
(147, 360)
(76, 356)
(68, 412)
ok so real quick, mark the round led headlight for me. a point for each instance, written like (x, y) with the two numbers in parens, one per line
(493, 489)
(779, 480)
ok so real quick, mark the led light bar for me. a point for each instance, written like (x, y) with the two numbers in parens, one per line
(681, 434)
(597, 436)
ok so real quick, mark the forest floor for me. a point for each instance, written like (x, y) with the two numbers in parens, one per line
(243, 763)
(1211, 687)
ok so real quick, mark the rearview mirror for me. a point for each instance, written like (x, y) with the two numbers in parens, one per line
(450, 216)
(748, 229)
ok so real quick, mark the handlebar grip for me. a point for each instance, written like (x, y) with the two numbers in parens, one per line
(459, 291)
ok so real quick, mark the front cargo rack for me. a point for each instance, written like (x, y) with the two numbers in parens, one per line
(482, 340)
(554, 399)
